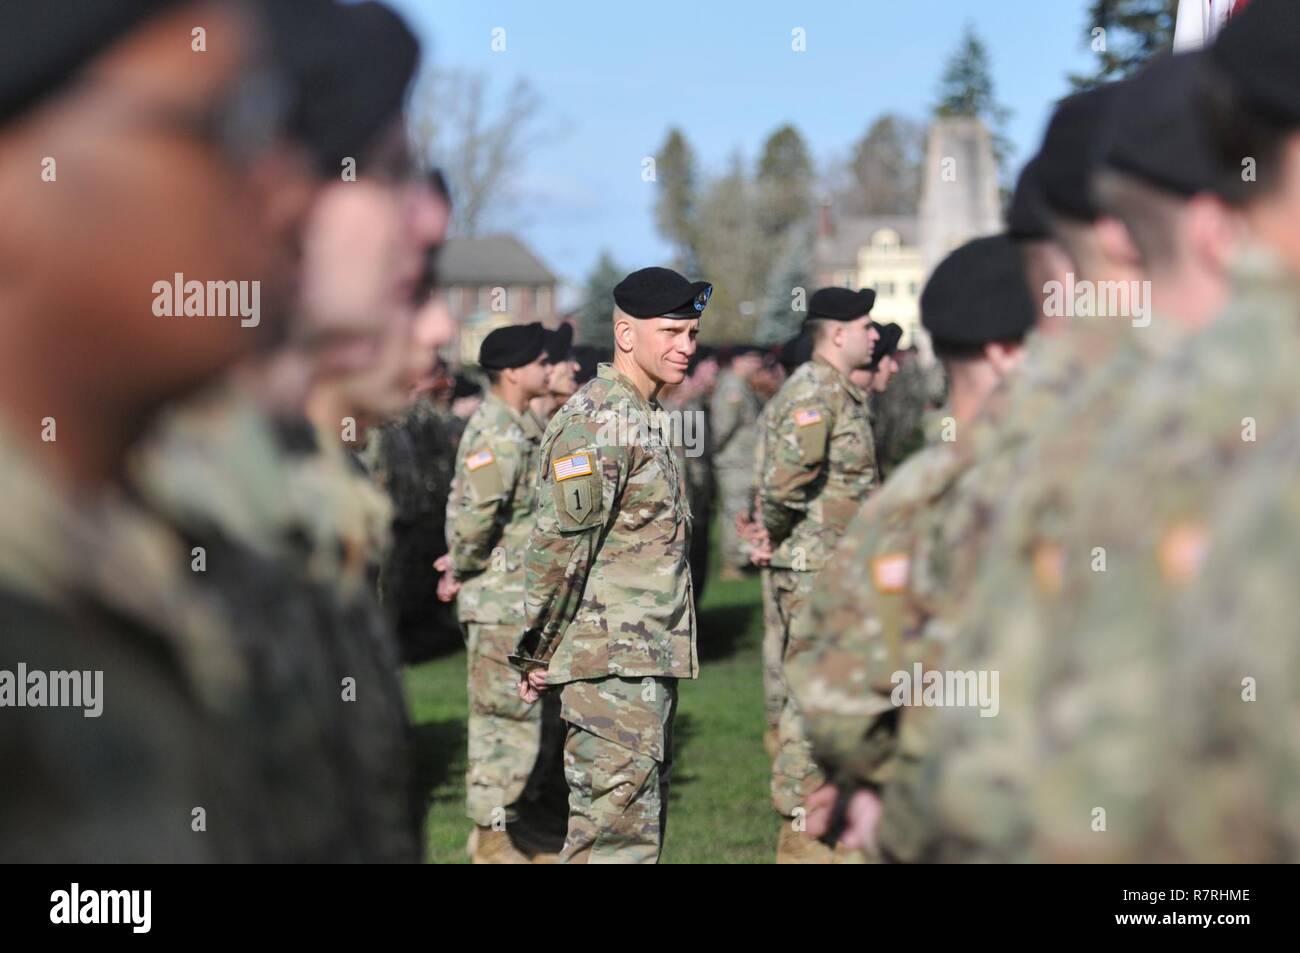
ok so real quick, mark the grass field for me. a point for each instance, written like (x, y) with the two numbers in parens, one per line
(720, 809)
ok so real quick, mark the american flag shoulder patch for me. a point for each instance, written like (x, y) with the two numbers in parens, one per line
(477, 461)
(890, 571)
(574, 465)
(807, 417)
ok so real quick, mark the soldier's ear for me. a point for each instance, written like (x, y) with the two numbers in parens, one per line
(624, 333)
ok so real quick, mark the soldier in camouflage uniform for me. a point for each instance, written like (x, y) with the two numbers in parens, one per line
(690, 401)
(289, 487)
(1135, 659)
(876, 601)
(561, 367)
(819, 466)
(171, 764)
(490, 515)
(611, 618)
(733, 424)
(793, 354)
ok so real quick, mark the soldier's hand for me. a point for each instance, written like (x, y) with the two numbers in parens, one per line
(860, 821)
(761, 554)
(448, 586)
(531, 685)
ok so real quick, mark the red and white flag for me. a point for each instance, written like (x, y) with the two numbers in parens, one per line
(1199, 21)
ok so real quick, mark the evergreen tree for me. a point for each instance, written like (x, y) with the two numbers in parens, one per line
(676, 199)
(967, 90)
(1124, 34)
(788, 287)
(595, 326)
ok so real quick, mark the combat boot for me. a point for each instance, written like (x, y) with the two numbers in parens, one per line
(495, 847)
(796, 847)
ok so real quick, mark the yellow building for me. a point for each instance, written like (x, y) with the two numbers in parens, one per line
(874, 251)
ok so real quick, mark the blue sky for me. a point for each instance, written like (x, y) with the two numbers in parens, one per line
(615, 76)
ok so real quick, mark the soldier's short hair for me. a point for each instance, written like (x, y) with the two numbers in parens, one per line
(1149, 213)
(819, 329)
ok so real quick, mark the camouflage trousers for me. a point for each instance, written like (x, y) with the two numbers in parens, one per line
(735, 493)
(774, 690)
(795, 774)
(505, 733)
(617, 759)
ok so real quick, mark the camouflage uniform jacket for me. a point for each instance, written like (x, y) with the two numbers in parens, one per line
(872, 607)
(819, 464)
(607, 577)
(1105, 675)
(490, 512)
(733, 417)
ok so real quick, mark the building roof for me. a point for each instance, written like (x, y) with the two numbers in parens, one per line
(491, 260)
(852, 232)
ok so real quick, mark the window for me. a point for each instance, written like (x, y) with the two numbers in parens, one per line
(885, 289)
(543, 300)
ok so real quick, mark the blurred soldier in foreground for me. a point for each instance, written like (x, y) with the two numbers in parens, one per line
(733, 424)
(1137, 669)
(168, 765)
(819, 465)
(490, 515)
(611, 618)
(245, 463)
(874, 605)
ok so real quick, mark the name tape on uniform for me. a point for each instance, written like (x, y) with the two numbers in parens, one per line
(575, 465)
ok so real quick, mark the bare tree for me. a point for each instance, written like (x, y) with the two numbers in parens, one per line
(481, 149)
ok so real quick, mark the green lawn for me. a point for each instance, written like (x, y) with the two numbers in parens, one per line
(720, 810)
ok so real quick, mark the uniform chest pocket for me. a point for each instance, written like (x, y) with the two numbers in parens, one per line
(654, 492)
(853, 447)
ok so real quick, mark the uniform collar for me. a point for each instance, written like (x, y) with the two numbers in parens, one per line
(849, 387)
(525, 421)
(609, 372)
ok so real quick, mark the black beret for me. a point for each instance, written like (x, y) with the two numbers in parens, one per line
(890, 335)
(465, 387)
(661, 293)
(588, 357)
(1072, 150)
(512, 346)
(796, 351)
(1258, 50)
(1027, 220)
(1156, 129)
(348, 66)
(978, 295)
(559, 342)
(44, 43)
(840, 304)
